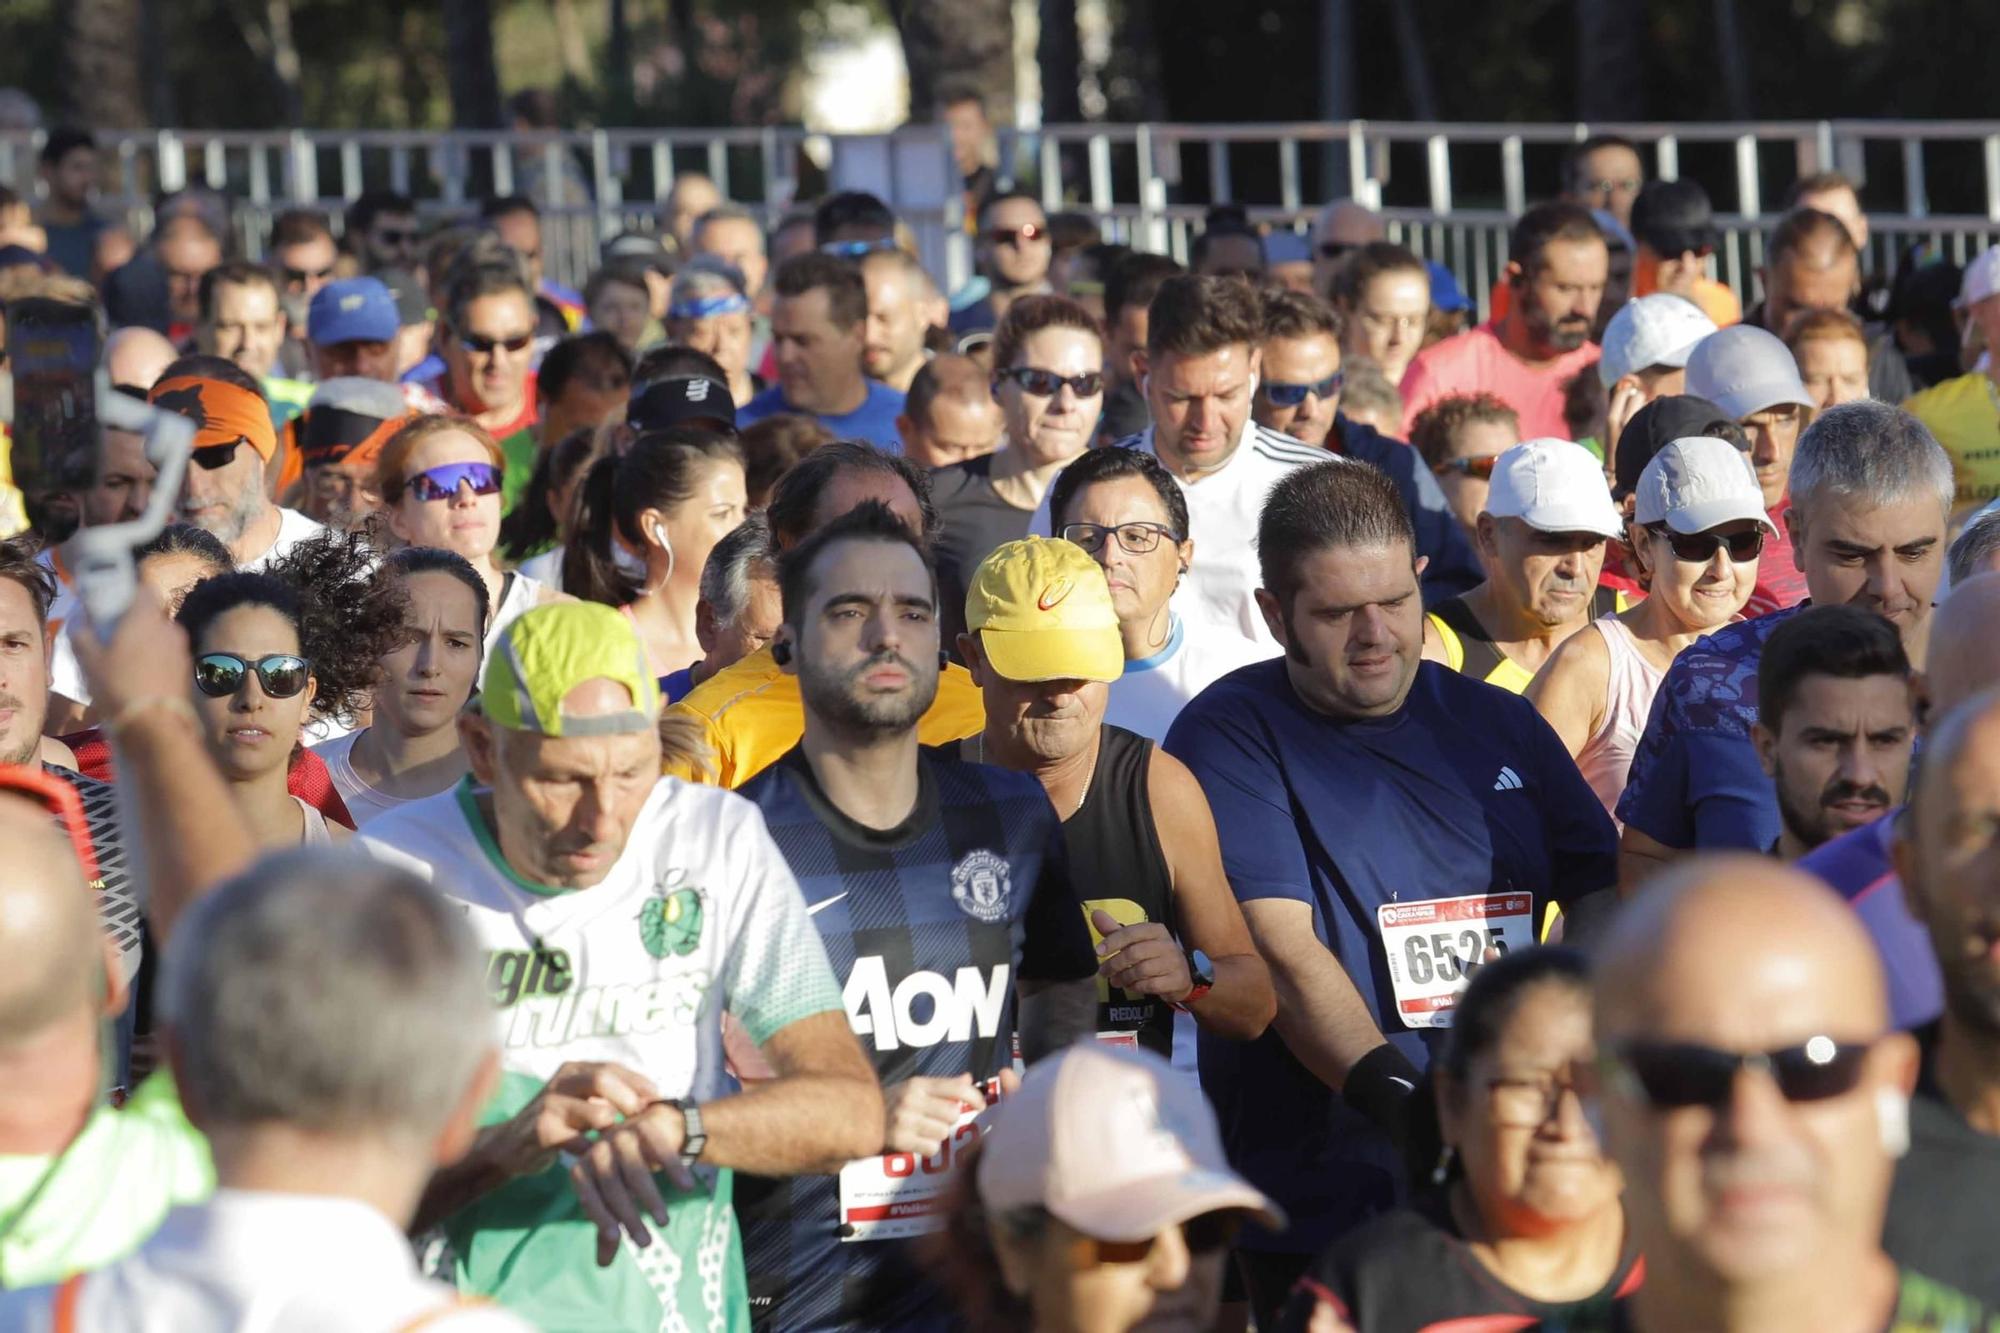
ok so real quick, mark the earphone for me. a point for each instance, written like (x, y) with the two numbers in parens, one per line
(781, 652)
(1892, 1121)
(944, 658)
(658, 532)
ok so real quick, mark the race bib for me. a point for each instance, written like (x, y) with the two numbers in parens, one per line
(900, 1194)
(1434, 947)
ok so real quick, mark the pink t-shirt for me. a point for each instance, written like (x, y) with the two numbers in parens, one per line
(1476, 362)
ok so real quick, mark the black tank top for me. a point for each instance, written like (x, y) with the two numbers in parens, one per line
(1116, 864)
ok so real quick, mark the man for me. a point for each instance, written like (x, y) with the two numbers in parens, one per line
(1288, 261)
(1812, 263)
(1754, 379)
(819, 327)
(381, 230)
(186, 248)
(1014, 254)
(1228, 247)
(656, 908)
(1834, 194)
(123, 485)
(972, 149)
(1752, 1098)
(950, 415)
(1298, 394)
(903, 307)
(69, 174)
(1460, 438)
(738, 612)
(303, 257)
(1604, 171)
(1646, 349)
(852, 223)
(1343, 225)
(585, 380)
(1135, 825)
(1949, 878)
(1962, 411)
(223, 490)
(515, 220)
(749, 714)
(1129, 289)
(489, 348)
(1870, 491)
(351, 328)
(340, 440)
(135, 355)
(731, 233)
(929, 877)
(1674, 234)
(1557, 267)
(690, 201)
(243, 320)
(1835, 725)
(325, 1119)
(1474, 812)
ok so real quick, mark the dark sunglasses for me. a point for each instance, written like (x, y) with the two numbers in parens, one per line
(221, 674)
(1334, 249)
(1136, 538)
(1672, 1074)
(1291, 395)
(212, 456)
(441, 483)
(1698, 548)
(1020, 235)
(386, 236)
(1046, 383)
(1204, 1235)
(295, 276)
(1481, 467)
(520, 342)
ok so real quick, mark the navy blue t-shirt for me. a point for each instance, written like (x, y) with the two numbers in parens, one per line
(1463, 791)
(873, 421)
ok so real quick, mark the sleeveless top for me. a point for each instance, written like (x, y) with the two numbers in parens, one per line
(1606, 758)
(1470, 650)
(1114, 851)
(315, 834)
(518, 593)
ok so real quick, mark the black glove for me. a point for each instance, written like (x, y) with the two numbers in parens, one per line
(1380, 1086)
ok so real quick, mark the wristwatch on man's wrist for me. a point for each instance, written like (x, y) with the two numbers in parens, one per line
(693, 1137)
(1202, 973)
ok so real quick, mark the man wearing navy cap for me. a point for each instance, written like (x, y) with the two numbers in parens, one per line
(351, 329)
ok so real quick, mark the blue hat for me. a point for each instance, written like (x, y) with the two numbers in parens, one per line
(1446, 294)
(352, 310)
(1286, 247)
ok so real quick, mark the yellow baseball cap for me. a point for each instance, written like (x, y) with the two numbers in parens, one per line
(1042, 611)
(549, 651)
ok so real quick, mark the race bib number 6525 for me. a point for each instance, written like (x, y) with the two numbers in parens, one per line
(1434, 947)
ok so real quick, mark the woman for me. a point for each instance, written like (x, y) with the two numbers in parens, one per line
(1832, 354)
(299, 640)
(1522, 1226)
(1383, 292)
(533, 534)
(645, 523)
(439, 479)
(410, 749)
(1698, 528)
(618, 300)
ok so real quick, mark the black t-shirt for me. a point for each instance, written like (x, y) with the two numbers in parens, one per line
(1411, 1270)
(972, 521)
(1946, 1199)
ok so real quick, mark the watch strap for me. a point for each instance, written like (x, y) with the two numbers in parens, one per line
(694, 1139)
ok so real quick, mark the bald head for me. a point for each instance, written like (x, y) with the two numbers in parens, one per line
(52, 953)
(1345, 222)
(950, 414)
(135, 356)
(1963, 655)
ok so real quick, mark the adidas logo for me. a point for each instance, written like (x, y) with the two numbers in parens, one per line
(1508, 780)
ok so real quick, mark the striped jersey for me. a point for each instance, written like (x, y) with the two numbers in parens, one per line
(928, 926)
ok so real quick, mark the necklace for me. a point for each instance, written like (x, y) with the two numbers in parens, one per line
(1088, 777)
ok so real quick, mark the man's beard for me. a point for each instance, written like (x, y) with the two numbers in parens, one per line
(29, 748)
(235, 520)
(838, 698)
(1810, 826)
(1565, 334)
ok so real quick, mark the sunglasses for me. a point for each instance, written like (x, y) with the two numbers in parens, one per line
(212, 456)
(1698, 548)
(1204, 1235)
(1481, 467)
(388, 236)
(221, 674)
(482, 346)
(300, 276)
(1291, 395)
(1136, 538)
(1020, 235)
(1334, 249)
(442, 482)
(1671, 1075)
(1046, 383)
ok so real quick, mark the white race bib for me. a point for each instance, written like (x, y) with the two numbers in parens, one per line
(1433, 947)
(900, 1194)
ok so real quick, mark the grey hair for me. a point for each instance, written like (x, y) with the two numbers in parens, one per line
(695, 282)
(725, 579)
(328, 992)
(1870, 449)
(1974, 547)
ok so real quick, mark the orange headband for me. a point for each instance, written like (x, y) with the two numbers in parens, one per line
(222, 413)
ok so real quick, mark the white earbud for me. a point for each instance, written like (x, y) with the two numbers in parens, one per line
(1892, 1121)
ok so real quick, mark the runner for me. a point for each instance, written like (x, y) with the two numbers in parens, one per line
(1383, 294)
(1460, 438)
(1964, 411)
(819, 328)
(223, 489)
(941, 891)
(738, 612)
(489, 316)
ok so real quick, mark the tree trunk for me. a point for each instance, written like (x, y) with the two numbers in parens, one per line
(1610, 81)
(1061, 62)
(957, 41)
(468, 53)
(102, 65)
(1735, 61)
(1416, 65)
(570, 44)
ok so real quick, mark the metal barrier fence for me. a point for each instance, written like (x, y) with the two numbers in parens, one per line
(1447, 190)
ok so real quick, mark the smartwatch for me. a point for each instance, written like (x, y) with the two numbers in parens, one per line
(694, 1138)
(1202, 973)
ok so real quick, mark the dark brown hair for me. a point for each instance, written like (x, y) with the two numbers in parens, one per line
(1193, 315)
(1031, 314)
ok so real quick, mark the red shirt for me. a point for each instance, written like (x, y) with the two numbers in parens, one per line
(1779, 582)
(1476, 362)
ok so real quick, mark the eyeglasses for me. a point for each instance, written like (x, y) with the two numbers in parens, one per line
(1334, 249)
(1046, 383)
(1481, 467)
(441, 483)
(858, 249)
(1136, 538)
(1525, 1103)
(221, 674)
(1409, 324)
(1604, 189)
(1671, 1075)
(1204, 1235)
(1021, 235)
(299, 276)
(388, 237)
(1698, 548)
(479, 345)
(1291, 395)
(212, 456)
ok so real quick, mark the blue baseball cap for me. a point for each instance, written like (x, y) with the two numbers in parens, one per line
(352, 310)
(1446, 294)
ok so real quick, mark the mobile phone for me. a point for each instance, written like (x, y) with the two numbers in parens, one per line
(53, 346)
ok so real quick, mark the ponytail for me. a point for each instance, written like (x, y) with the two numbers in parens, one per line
(590, 560)
(657, 472)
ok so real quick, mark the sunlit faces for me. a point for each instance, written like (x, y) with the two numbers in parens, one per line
(1549, 576)
(712, 510)
(1142, 584)
(1016, 242)
(1387, 322)
(1199, 405)
(1774, 434)
(819, 361)
(1884, 556)
(489, 356)
(898, 318)
(866, 642)
(246, 325)
(224, 501)
(428, 678)
(249, 732)
(623, 309)
(1834, 370)
(1840, 755)
(1059, 425)
(467, 522)
(24, 675)
(1700, 594)
(1559, 299)
(1466, 487)
(1353, 630)
(1289, 366)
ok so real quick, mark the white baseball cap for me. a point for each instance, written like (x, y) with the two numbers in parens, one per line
(1656, 330)
(1554, 486)
(1745, 370)
(1981, 280)
(1115, 1143)
(1697, 483)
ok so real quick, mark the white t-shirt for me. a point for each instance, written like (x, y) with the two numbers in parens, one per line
(545, 569)
(1149, 696)
(293, 528)
(252, 1259)
(363, 801)
(1220, 589)
(520, 593)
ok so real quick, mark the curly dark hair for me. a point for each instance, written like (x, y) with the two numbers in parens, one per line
(347, 619)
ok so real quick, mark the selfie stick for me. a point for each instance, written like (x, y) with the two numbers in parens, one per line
(99, 559)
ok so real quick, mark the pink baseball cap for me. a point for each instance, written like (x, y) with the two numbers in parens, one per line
(1115, 1143)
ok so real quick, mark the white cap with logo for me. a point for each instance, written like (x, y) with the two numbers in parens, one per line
(1656, 330)
(1697, 483)
(1745, 370)
(1981, 279)
(1115, 1143)
(1553, 486)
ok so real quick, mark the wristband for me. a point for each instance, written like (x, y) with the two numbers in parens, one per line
(1380, 1085)
(124, 717)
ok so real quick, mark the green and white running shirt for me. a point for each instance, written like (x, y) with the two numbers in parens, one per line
(699, 915)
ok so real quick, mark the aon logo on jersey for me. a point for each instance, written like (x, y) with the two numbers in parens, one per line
(924, 1008)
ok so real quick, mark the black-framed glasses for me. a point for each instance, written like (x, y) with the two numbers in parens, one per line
(1525, 1102)
(298, 277)
(1136, 538)
(282, 675)
(1046, 383)
(484, 346)
(212, 456)
(1481, 467)
(442, 482)
(1021, 235)
(1291, 395)
(1698, 548)
(1674, 1074)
